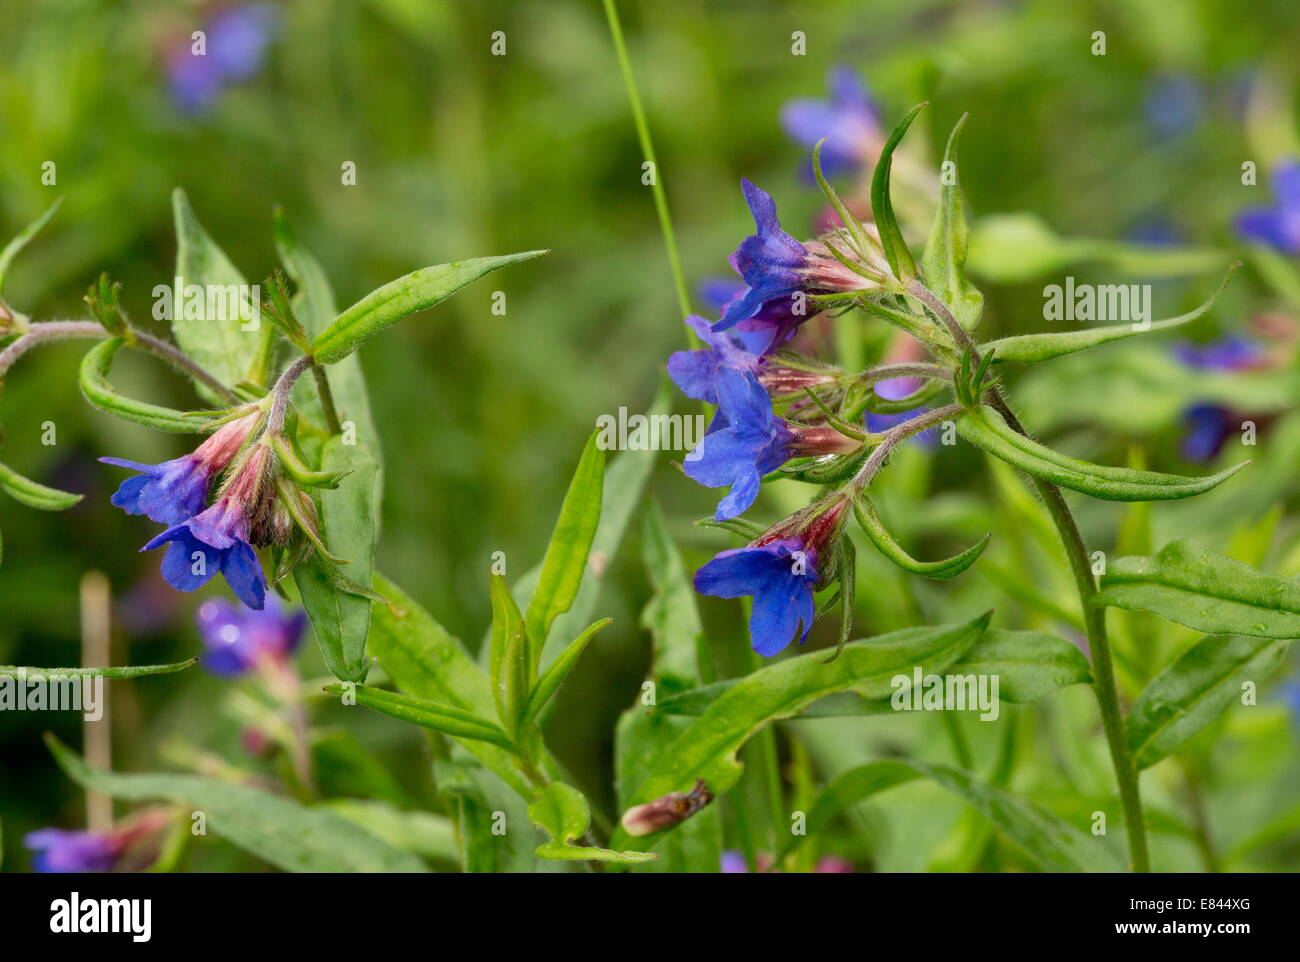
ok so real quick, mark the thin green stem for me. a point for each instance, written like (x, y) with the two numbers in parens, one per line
(648, 149)
(1103, 669)
(326, 395)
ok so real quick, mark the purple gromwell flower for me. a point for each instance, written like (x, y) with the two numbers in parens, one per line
(236, 640)
(746, 441)
(769, 261)
(847, 121)
(780, 576)
(235, 42)
(695, 371)
(1208, 427)
(1279, 225)
(1231, 353)
(175, 490)
(57, 850)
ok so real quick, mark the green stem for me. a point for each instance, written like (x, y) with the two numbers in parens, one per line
(1094, 619)
(648, 149)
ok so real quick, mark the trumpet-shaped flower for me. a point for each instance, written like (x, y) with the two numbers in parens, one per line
(847, 121)
(780, 576)
(236, 639)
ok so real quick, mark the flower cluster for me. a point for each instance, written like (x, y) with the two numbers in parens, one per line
(203, 539)
(130, 846)
(234, 45)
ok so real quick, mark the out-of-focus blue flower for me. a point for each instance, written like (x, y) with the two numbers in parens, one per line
(1291, 698)
(235, 45)
(1279, 225)
(57, 850)
(1208, 427)
(237, 639)
(847, 120)
(746, 441)
(716, 291)
(218, 538)
(1173, 104)
(172, 491)
(780, 576)
(1230, 353)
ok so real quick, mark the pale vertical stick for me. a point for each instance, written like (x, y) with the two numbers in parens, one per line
(95, 654)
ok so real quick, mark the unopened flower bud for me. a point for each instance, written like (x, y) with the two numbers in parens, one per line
(665, 812)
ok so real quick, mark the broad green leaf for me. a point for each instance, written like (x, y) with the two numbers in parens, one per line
(942, 570)
(943, 264)
(35, 495)
(349, 520)
(562, 812)
(22, 239)
(314, 304)
(1204, 591)
(1018, 247)
(220, 345)
(96, 389)
(292, 837)
(130, 671)
(882, 208)
(387, 305)
(425, 661)
(422, 833)
(1028, 664)
(1031, 348)
(1053, 844)
(707, 749)
(447, 719)
(1195, 690)
(569, 548)
(554, 676)
(986, 429)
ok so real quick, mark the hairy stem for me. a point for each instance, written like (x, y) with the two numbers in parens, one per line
(280, 393)
(326, 399)
(895, 435)
(1103, 668)
(44, 332)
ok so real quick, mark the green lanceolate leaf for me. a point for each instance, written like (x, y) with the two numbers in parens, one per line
(1031, 348)
(1195, 690)
(349, 521)
(131, 671)
(35, 495)
(569, 548)
(943, 264)
(426, 661)
(865, 512)
(23, 238)
(559, 670)
(96, 389)
(509, 664)
(986, 429)
(563, 813)
(447, 719)
(387, 305)
(670, 615)
(292, 837)
(218, 343)
(707, 749)
(1204, 591)
(1028, 664)
(1053, 844)
(891, 235)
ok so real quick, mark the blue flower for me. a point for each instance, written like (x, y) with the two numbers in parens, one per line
(745, 442)
(695, 371)
(1279, 225)
(780, 576)
(848, 121)
(62, 851)
(1208, 427)
(234, 46)
(770, 261)
(1231, 353)
(1173, 104)
(172, 491)
(237, 639)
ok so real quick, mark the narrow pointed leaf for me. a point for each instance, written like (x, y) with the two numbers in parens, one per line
(1205, 591)
(943, 263)
(22, 239)
(35, 495)
(96, 389)
(447, 719)
(505, 623)
(559, 670)
(291, 836)
(891, 235)
(397, 299)
(942, 570)
(1031, 348)
(986, 429)
(127, 671)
